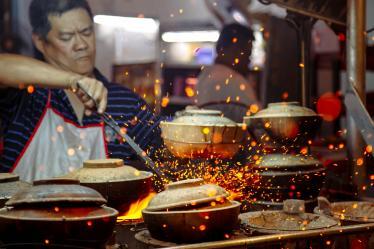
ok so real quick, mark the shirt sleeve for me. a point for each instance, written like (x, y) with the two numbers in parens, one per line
(10, 99)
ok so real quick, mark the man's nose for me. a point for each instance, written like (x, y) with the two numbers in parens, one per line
(80, 43)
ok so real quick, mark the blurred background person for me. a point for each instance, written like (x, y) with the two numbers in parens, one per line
(224, 85)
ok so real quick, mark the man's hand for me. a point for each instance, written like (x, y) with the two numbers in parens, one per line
(92, 93)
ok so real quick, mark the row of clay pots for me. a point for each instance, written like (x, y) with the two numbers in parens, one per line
(203, 133)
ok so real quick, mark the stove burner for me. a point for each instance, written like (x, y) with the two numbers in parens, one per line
(41, 246)
(145, 238)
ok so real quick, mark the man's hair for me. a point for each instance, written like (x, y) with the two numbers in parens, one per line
(234, 35)
(40, 10)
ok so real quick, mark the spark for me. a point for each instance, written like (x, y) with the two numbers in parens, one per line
(30, 89)
(206, 130)
(369, 148)
(202, 227)
(165, 101)
(189, 91)
(253, 108)
(60, 128)
(71, 152)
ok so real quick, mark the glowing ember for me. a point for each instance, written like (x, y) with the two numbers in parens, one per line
(329, 106)
(369, 149)
(189, 91)
(30, 89)
(206, 130)
(285, 95)
(135, 210)
(165, 101)
(254, 108)
(60, 128)
(71, 152)
(202, 227)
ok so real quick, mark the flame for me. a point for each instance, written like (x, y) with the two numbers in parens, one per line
(135, 210)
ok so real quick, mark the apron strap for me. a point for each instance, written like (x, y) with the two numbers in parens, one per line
(49, 98)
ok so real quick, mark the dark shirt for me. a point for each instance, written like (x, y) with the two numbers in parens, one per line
(20, 112)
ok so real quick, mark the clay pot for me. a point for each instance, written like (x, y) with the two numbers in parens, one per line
(118, 184)
(192, 225)
(57, 212)
(9, 185)
(191, 212)
(185, 194)
(284, 176)
(202, 133)
(348, 212)
(285, 123)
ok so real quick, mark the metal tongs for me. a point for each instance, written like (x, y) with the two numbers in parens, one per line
(108, 120)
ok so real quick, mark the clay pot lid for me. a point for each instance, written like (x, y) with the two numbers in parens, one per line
(291, 218)
(103, 163)
(284, 109)
(8, 177)
(203, 117)
(186, 193)
(353, 210)
(106, 170)
(57, 190)
(9, 185)
(59, 213)
(278, 221)
(281, 161)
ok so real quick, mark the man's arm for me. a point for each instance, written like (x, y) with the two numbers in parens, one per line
(17, 70)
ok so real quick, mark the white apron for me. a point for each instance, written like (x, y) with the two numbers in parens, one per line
(58, 146)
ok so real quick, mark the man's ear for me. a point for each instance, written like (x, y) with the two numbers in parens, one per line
(38, 42)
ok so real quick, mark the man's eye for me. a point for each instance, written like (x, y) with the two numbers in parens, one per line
(65, 38)
(87, 32)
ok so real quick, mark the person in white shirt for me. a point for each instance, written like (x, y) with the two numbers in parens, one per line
(224, 86)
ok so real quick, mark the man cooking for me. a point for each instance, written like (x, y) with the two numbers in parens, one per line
(49, 121)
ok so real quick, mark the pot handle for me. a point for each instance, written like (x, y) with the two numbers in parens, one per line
(185, 183)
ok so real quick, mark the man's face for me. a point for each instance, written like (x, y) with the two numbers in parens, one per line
(70, 44)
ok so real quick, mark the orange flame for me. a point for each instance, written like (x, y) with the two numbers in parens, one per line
(135, 210)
